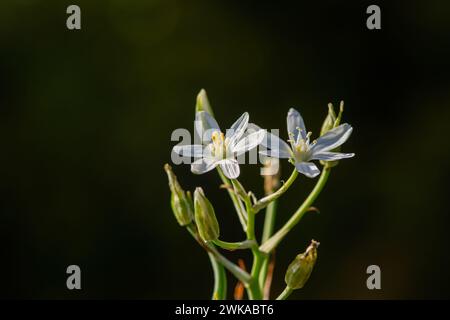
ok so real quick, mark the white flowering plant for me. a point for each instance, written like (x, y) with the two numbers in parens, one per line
(222, 151)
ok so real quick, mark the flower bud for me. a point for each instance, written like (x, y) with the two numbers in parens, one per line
(205, 218)
(300, 269)
(202, 103)
(330, 122)
(180, 201)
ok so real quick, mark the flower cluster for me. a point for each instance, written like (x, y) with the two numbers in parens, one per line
(221, 149)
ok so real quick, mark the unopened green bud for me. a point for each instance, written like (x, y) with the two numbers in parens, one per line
(330, 122)
(205, 218)
(180, 201)
(300, 269)
(202, 103)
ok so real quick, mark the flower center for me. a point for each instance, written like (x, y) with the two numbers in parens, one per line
(219, 145)
(301, 147)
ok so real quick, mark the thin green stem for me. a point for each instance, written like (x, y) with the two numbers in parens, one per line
(269, 224)
(236, 202)
(250, 220)
(269, 221)
(273, 241)
(285, 294)
(254, 289)
(235, 245)
(240, 274)
(262, 203)
(220, 279)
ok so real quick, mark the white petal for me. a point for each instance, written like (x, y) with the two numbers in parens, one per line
(331, 156)
(249, 142)
(309, 169)
(203, 165)
(194, 150)
(251, 127)
(205, 125)
(230, 168)
(332, 139)
(278, 148)
(237, 129)
(294, 122)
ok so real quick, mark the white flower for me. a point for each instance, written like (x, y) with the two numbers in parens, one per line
(218, 149)
(301, 151)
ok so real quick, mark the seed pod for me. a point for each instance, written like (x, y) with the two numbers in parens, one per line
(205, 218)
(300, 269)
(180, 202)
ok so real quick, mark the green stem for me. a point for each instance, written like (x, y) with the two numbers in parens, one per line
(273, 241)
(235, 245)
(269, 224)
(262, 203)
(269, 221)
(236, 202)
(220, 279)
(240, 274)
(286, 293)
(254, 289)
(251, 220)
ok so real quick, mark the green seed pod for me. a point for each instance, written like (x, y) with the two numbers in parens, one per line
(202, 103)
(300, 269)
(330, 122)
(180, 201)
(205, 218)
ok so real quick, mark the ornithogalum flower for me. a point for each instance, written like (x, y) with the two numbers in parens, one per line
(217, 148)
(301, 151)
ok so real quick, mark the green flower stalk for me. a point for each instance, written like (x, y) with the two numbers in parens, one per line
(180, 201)
(205, 217)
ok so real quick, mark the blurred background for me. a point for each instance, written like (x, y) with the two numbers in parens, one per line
(86, 118)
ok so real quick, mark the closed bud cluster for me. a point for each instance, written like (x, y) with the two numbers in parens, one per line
(332, 121)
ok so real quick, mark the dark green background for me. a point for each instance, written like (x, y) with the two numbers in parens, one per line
(86, 118)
